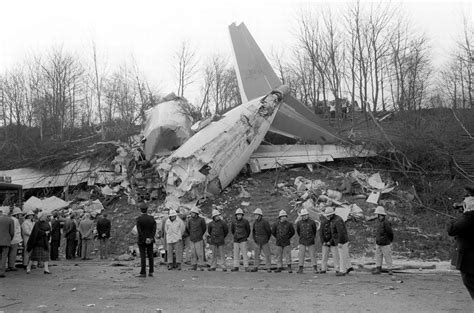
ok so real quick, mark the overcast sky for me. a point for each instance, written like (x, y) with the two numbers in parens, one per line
(151, 31)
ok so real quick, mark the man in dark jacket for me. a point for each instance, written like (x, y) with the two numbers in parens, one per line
(196, 226)
(383, 242)
(262, 232)
(306, 229)
(240, 229)
(70, 234)
(103, 233)
(217, 230)
(7, 231)
(463, 230)
(55, 237)
(341, 240)
(283, 231)
(146, 228)
(327, 242)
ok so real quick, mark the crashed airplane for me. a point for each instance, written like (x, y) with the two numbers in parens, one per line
(214, 156)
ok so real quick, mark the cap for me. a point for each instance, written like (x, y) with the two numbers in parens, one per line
(380, 210)
(258, 211)
(215, 212)
(239, 211)
(304, 212)
(173, 213)
(282, 213)
(329, 211)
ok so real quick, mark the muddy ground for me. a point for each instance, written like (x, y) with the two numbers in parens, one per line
(94, 286)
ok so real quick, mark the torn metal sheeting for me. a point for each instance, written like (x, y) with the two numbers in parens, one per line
(212, 158)
(274, 156)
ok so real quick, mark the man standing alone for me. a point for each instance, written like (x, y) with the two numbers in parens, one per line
(383, 241)
(103, 232)
(146, 229)
(174, 229)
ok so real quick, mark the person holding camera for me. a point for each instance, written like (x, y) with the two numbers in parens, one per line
(462, 229)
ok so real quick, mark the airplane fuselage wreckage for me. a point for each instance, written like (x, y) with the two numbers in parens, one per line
(208, 161)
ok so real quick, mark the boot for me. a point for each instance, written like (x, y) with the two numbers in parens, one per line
(255, 269)
(278, 270)
(377, 270)
(300, 270)
(315, 268)
(235, 269)
(340, 273)
(289, 269)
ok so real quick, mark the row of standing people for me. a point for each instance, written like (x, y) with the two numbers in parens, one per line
(333, 235)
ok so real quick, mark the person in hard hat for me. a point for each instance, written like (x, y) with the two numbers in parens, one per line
(240, 229)
(261, 233)
(283, 231)
(383, 241)
(306, 229)
(7, 231)
(217, 230)
(327, 241)
(146, 230)
(462, 229)
(26, 228)
(196, 226)
(16, 240)
(38, 243)
(341, 240)
(174, 229)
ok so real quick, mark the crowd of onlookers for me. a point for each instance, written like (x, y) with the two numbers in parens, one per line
(40, 235)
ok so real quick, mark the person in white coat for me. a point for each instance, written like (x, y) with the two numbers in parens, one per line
(174, 230)
(26, 229)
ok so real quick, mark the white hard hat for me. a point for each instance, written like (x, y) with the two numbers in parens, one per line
(304, 212)
(215, 212)
(239, 211)
(195, 209)
(380, 210)
(172, 213)
(258, 211)
(329, 211)
(29, 212)
(16, 211)
(282, 213)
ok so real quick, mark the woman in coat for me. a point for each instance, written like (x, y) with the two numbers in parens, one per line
(38, 243)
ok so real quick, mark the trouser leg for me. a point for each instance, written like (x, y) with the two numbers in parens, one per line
(343, 256)
(335, 257)
(179, 252)
(287, 254)
(169, 252)
(279, 256)
(12, 251)
(236, 254)
(142, 250)
(243, 248)
(258, 250)
(347, 256)
(222, 257)
(199, 248)
(3, 259)
(214, 249)
(268, 255)
(312, 254)
(301, 254)
(324, 257)
(84, 248)
(387, 254)
(378, 256)
(101, 248)
(149, 252)
(194, 257)
(26, 256)
(468, 280)
(54, 249)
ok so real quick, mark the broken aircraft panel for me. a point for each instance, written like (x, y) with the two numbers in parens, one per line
(212, 158)
(256, 77)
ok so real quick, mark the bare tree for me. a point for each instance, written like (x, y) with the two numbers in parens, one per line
(186, 66)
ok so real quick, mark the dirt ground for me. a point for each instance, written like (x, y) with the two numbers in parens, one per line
(94, 286)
